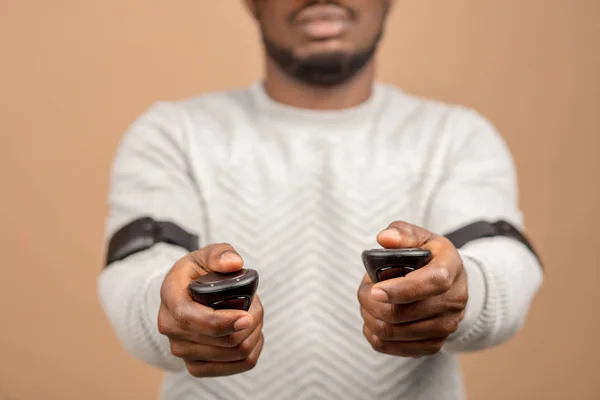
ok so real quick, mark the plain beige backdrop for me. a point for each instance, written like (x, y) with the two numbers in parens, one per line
(74, 74)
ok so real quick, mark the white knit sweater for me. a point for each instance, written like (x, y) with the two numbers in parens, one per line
(300, 194)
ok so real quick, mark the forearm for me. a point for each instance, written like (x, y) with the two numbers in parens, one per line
(129, 292)
(503, 277)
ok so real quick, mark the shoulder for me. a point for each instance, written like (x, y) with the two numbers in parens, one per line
(458, 118)
(218, 106)
(168, 122)
(459, 128)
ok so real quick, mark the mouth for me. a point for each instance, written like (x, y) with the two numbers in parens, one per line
(323, 21)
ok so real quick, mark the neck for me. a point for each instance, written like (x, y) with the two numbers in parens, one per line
(284, 89)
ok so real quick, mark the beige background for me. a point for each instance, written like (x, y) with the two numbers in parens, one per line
(74, 74)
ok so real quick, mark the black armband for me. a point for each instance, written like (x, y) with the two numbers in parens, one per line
(484, 229)
(143, 233)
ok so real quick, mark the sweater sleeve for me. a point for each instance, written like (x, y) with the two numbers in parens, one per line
(149, 177)
(503, 276)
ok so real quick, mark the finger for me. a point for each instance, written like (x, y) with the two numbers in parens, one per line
(191, 351)
(455, 300)
(434, 279)
(364, 289)
(433, 328)
(190, 316)
(452, 302)
(373, 306)
(190, 321)
(220, 257)
(213, 369)
(417, 348)
(400, 234)
(233, 340)
(392, 313)
(397, 313)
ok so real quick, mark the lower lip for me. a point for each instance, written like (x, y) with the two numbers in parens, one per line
(323, 29)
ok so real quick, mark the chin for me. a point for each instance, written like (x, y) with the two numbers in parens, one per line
(324, 48)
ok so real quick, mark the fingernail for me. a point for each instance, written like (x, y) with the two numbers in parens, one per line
(379, 295)
(242, 323)
(230, 256)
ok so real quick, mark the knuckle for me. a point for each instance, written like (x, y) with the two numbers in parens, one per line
(392, 313)
(260, 312)
(377, 344)
(383, 330)
(178, 349)
(232, 341)
(436, 347)
(363, 292)
(456, 300)
(412, 230)
(164, 288)
(376, 327)
(441, 279)
(460, 301)
(432, 347)
(181, 315)
(164, 327)
(453, 326)
(443, 241)
(245, 348)
(449, 327)
(195, 370)
(359, 295)
(199, 256)
(250, 363)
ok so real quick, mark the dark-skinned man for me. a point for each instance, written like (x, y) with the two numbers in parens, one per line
(295, 176)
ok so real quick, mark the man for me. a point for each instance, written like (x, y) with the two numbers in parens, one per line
(295, 176)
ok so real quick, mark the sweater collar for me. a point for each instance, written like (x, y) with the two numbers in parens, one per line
(352, 115)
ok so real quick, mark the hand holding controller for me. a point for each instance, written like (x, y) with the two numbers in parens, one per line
(210, 313)
(414, 293)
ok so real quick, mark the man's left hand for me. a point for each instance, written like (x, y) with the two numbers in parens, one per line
(412, 316)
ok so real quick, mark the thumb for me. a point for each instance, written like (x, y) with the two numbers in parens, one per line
(402, 235)
(213, 258)
(220, 257)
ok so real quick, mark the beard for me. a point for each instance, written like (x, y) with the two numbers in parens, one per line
(321, 70)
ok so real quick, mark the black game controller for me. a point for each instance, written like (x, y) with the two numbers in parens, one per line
(384, 264)
(233, 291)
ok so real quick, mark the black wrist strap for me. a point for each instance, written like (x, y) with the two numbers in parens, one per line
(143, 233)
(484, 229)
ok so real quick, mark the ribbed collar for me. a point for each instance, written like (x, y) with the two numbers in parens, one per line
(350, 115)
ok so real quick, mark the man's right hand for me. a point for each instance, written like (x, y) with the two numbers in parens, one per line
(211, 342)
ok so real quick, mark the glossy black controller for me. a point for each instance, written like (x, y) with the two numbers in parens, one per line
(384, 264)
(233, 291)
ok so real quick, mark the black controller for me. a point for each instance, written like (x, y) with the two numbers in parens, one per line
(384, 264)
(233, 291)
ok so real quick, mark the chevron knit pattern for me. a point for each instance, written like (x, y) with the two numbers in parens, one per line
(300, 194)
